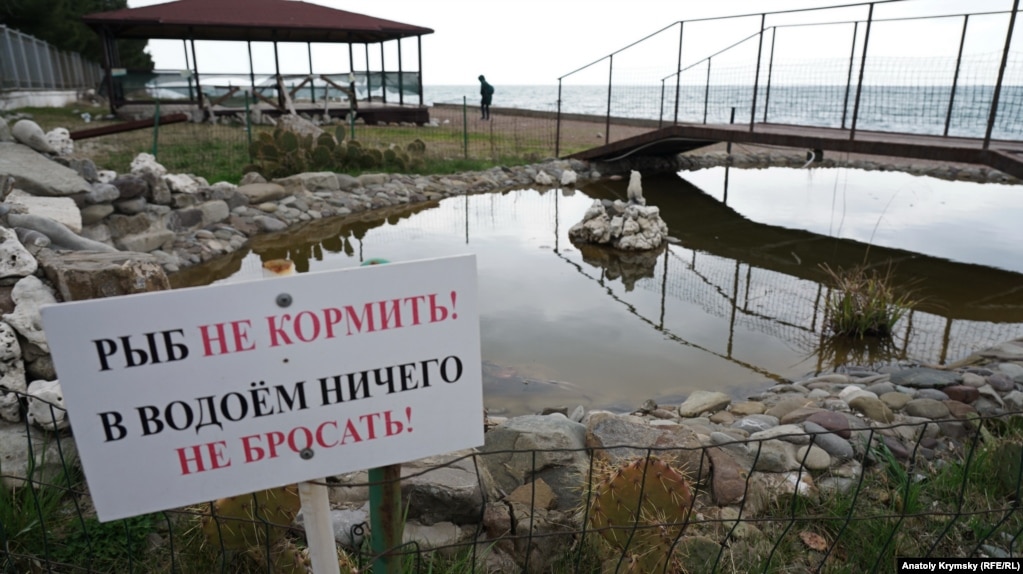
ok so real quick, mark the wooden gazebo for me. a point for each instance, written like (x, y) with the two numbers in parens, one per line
(270, 21)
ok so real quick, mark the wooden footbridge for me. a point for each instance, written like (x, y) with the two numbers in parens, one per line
(1005, 156)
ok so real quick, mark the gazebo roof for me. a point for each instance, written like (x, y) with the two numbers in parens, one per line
(255, 20)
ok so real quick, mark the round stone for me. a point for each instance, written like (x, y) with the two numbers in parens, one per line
(962, 393)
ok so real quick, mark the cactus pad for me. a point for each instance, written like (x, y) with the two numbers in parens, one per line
(641, 509)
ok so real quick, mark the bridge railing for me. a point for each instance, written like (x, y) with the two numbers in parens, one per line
(843, 67)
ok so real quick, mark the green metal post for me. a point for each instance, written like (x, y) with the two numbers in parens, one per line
(248, 124)
(156, 128)
(465, 128)
(385, 518)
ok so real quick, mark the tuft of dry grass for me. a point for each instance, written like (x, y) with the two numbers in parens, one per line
(864, 302)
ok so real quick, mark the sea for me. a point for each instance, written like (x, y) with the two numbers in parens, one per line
(940, 109)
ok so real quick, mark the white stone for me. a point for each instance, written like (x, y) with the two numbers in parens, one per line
(700, 402)
(9, 347)
(12, 374)
(29, 133)
(635, 189)
(106, 175)
(61, 142)
(46, 405)
(181, 183)
(437, 535)
(10, 408)
(15, 260)
(63, 210)
(568, 177)
(146, 163)
(543, 178)
(29, 295)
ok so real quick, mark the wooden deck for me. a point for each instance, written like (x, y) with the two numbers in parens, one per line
(371, 112)
(1005, 156)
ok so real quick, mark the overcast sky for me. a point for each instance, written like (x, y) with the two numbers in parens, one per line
(537, 41)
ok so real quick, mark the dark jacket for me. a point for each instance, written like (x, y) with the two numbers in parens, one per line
(486, 91)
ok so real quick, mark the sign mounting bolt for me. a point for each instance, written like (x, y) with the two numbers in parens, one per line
(284, 300)
(306, 453)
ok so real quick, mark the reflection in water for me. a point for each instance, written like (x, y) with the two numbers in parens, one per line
(737, 306)
(629, 266)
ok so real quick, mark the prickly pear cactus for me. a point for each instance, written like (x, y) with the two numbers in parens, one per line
(641, 509)
(239, 521)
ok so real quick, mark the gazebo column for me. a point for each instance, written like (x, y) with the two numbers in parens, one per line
(383, 74)
(401, 78)
(198, 83)
(108, 63)
(188, 68)
(312, 84)
(369, 80)
(277, 72)
(252, 72)
(351, 72)
(419, 53)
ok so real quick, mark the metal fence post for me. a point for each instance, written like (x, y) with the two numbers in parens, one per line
(1001, 76)
(660, 109)
(465, 128)
(385, 517)
(848, 77)
(955, 78)
(678, 70)
(14, 63)
(863, 65)
(156, 128)
(557, 126)
(756, 77)
(770, 69)
(610, 76)
(706, 95)
(248, 124)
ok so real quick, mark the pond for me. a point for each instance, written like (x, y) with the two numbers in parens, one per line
(736, 306)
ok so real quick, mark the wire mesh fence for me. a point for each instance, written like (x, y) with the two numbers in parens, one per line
(794, 72)
(28, 63)
(938, 488)
(220, 149)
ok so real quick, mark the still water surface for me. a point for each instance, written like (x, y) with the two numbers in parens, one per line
(735, 307)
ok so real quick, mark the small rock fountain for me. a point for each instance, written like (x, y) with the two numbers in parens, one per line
(631, 226)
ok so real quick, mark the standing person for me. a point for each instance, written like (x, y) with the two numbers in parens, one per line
(486, 95)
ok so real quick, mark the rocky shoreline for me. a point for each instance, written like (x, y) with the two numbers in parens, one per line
(72, 231)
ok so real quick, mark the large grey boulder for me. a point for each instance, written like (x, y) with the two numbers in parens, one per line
(38, 174)
(445, 488)
(63, 210)
(29, 133)
(262, 192)
(60, 236)
(90, 275)
(550, 447)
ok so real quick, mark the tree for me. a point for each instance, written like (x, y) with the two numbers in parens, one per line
(59, 22)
